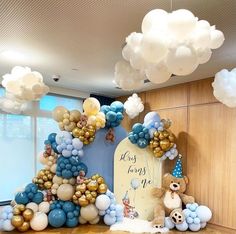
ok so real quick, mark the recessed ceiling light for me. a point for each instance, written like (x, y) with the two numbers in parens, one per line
(13, 55)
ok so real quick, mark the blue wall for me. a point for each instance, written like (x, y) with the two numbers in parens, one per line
(99, 155)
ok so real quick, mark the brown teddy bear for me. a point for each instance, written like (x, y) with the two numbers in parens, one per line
(171, 197)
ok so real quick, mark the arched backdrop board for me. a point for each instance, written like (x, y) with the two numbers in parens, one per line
(136, 172)
(99, 155)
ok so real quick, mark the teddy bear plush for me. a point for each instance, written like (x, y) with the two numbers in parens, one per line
(171, 197)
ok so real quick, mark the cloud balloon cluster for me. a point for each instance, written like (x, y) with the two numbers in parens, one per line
(22, 85)
(224, 87)
(170, 43)
(133, 106)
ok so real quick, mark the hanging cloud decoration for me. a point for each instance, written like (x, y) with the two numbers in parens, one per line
(170, 43)
(21, 85)
(133, 106)
(224, 87)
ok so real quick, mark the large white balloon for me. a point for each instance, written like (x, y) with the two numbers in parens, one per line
(181, 23)
(154, 20)
(102, 202)
(158, 73)
(182, 60)
(39, 222)
(89, 212)
(65, 192)
(154, 47)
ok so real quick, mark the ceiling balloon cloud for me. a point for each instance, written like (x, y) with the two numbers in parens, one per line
(22, 86)
(170, 43)
(224, 87)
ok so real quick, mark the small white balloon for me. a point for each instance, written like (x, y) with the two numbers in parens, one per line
(33, 206)
(217, 39)
(44, 207)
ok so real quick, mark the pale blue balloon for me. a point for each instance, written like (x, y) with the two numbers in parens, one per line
(66, 153)
(151, 132)
(194, 227)
(189, 220)
(112, 213)
(182, 227)
(196, 220)
(168, 223)
(135, 183)
(108, 220)
(102, 212)
(7, 226)
(150, 119)
(193, 215)
(77, 143)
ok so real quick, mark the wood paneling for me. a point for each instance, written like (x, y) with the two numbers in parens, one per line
(206, 132)
(201, 92)
(211, 161)
(174, 96)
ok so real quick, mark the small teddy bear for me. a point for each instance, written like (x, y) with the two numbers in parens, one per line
(171, 197)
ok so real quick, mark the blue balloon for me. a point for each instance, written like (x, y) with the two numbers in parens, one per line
(21, 198)
(182, 226)
(57, 218)
(52, 137)
(118, 106)
(150, 119)
(54, 147)
(194, 227)
(137, 128)
(38, 197)
(142, 143)
(68, 206)
(73, 222)
(105, 109)
(135, 183)
(111, 116)
(108, 220)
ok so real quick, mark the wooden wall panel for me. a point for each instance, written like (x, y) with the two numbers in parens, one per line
(206, 132)
(211, 161)
(201, 92)
(174, 96)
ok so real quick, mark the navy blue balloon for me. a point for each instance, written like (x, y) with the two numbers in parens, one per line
(38, 197)
(52, 137)
(57, 218)
(22, 198)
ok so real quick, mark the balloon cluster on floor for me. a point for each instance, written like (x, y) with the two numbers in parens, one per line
(155, 133)
(170, 43)
(22, 86)
(196, 218)
(224, 87)
(61, 194)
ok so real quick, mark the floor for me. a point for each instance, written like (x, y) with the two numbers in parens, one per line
(92, 229)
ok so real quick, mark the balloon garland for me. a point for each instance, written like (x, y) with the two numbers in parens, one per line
(61, 194)
(155, 133)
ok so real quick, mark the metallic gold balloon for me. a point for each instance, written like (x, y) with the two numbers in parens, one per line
(48, 184)
(24, 227)
(17, 220)
(102, 188)
(21, 207)
(94, 194)
(92, 185)
(28, 214)
(16, 211)
(83, 201)
(100, 180)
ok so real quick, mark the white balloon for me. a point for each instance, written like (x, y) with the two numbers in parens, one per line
(203, 55)
(204, 213)
(134, 40)
(154, 20)
(89, 212)
(158, 74)
(39, 221)
(103, 202)
(137, 61)
(154, 47)
(44, 207)
(127, 52)
(33, 206)
(65, 192)
(181, 23)
(201, 38)
(217, 39)
(95, 221)
(182, 61)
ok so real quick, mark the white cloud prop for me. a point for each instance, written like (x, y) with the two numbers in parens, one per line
(25, 84)
(170, 43)
(22, 85)
(133, 106)
(224, 87)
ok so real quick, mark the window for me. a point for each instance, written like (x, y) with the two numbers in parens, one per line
(22, 138)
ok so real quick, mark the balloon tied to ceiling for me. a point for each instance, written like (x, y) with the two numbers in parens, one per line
(21, 86)
(170, 43)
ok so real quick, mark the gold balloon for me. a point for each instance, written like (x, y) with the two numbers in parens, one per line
(81, 187)
(48, 184)
(92, 186)
(102, 188)
(24, 227)
(17, 220)
(83, 201)
(21, 207)
(28, 214)
(16, 211)
(76, 132)
(94, 194)
(100, 180)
